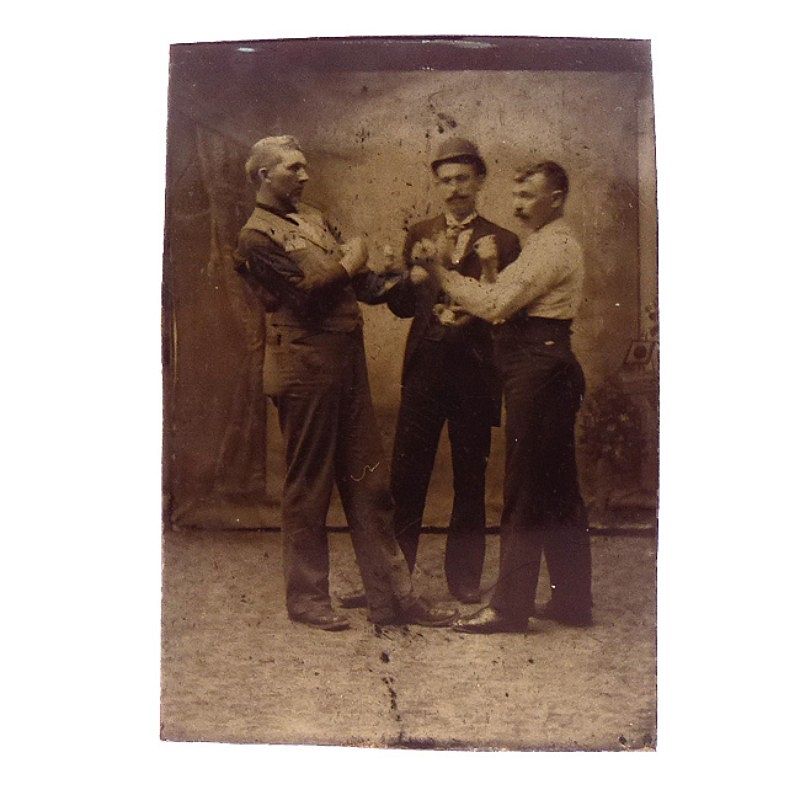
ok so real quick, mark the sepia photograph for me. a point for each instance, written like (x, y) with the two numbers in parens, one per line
(410, 350)
(407, 402)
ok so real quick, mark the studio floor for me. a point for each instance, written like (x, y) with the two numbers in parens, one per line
(235, 669)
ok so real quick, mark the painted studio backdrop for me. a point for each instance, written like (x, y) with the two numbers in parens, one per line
(368, 115)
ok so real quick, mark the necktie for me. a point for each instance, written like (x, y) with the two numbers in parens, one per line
(458, 232)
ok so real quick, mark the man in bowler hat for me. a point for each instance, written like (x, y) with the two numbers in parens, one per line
(448, 371)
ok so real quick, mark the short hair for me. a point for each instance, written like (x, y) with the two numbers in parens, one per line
(556, 176)
(267, 152)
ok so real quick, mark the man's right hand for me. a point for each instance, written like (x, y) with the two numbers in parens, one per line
(418, 274)
(486, 248)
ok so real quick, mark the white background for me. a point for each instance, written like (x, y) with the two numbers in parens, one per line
(85, 90)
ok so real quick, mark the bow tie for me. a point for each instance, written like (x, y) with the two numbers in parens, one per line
(455, 228)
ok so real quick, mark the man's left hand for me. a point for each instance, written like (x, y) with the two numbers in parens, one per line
(423, 253)
(451, 315)
(354, 255)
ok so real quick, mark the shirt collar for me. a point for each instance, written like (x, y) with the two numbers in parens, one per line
(282, 209)
(452, 223)
(556, 227)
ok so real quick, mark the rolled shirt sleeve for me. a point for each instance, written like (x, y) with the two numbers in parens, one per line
(546, 279)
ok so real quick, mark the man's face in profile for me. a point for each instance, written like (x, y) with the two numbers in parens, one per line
(288, 176)
(458, 185)
(535, 201)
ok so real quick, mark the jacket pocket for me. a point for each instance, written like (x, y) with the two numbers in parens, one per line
(302, 361)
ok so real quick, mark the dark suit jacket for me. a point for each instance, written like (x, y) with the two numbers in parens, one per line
(299, 279)
(408, 300)
(296, 273)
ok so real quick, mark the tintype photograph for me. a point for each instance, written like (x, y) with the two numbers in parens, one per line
(410, 357)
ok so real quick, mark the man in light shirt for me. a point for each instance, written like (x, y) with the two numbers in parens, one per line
(532, 303)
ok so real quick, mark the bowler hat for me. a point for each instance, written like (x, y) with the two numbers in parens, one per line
(459, 150)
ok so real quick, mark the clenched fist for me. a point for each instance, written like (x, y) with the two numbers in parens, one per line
(418, 274)
(486, 248)
(354, 255)
(423, 253)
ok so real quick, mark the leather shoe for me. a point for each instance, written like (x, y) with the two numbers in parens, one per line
(571, 617)
(488, 620)
(422, 615)
(468, 596)
(350, 601)
(322, 619)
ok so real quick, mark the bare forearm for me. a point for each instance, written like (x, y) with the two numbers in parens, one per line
(486, 300)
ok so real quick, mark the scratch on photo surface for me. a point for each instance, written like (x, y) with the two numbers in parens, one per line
(367, 468)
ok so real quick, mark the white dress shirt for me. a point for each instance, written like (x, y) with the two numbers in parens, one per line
(546, 280)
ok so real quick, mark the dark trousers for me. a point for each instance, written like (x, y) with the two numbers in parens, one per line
(330, 434)
(543, 510)
(444, 383)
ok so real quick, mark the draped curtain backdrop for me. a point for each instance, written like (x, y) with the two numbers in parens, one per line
(368, 115)
(240, 467)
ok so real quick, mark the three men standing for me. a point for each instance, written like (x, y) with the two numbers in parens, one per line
(448, 373)
(310, 283)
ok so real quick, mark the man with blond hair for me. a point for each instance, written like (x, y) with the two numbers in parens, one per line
(315, 372)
